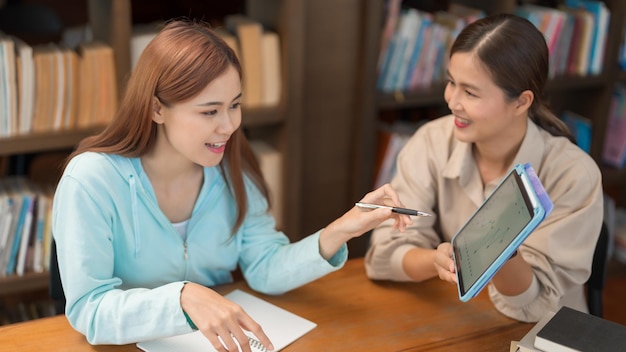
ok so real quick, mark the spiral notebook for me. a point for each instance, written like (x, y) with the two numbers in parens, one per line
(281, 326)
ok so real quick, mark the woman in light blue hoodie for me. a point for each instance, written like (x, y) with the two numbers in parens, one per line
(169, 200)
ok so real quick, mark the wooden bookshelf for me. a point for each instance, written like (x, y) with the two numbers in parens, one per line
(42, 142)
(111, 21)
(14, 285)
(67, 139)
(589, 95)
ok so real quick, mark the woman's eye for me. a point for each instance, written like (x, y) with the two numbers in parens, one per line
(210, 113)
(235, 106)
(470, 94)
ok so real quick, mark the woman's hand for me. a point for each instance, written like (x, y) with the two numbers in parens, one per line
(357, 221)
(216, 316)
(444, 263)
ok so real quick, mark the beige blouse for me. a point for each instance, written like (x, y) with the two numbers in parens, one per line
(437, 173)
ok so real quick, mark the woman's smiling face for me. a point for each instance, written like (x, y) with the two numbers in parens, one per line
(482, 110)
(199, 128)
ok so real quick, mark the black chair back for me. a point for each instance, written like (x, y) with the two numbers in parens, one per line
(55, 288)
(597, 280)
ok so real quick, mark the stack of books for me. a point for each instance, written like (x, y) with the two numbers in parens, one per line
(569, 330)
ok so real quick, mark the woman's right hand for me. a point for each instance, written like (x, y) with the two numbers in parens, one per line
(216, 316)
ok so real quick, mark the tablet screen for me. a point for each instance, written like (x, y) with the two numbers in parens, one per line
(491, 229)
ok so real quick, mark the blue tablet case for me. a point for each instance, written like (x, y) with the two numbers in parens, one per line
(497, 228)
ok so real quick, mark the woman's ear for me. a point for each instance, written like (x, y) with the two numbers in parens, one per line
(157, 117)
(524, 101)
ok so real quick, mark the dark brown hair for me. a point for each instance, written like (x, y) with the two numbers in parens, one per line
(175, 66)
(515, 53)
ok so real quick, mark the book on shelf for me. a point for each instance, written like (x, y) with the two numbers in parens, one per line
(140, 36)
(27, 241)
(418, 51)
(97, 104)
(599, 33)
(249, 33)
(42, 92)
(71, 88)
(270, 50)
(38, 249)
(47, 228)
(550, 22)
(51, 82)
(7, 227)
(580, 127)
(418, 31)
(570, 330)
(614, 151)
(391, 139)
(431, 69)
(8, 87)
(271, 163)
(415, 43)
(19, 218)
(391, 20)
(622, 52)
(230, 39)
(558, 61)
(86, 69)
(403, 41)
(59, 91)
(24, 211)
(259, 53)
(25, 68)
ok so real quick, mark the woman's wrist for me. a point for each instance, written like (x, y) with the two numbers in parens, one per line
(189, 321)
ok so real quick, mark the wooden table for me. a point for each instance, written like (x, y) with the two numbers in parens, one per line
(353, 313)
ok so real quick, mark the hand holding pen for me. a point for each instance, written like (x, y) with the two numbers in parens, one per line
(386, 198)
(398, 210)
(358, 221)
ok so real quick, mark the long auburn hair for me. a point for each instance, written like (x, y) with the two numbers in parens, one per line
(515, 53)
(183, 58)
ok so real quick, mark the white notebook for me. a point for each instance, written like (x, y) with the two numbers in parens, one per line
(281, 326)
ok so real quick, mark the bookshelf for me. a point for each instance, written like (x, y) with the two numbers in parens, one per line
(111, 21)
(589, 96)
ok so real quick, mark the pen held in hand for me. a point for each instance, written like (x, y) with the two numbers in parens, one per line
(398, 210)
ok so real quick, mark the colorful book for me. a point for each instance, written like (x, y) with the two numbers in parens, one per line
(614, 151)
(387, 38)
(580, 127)
(418, 22)
(599, 32)
(22, 221)
(401, 41)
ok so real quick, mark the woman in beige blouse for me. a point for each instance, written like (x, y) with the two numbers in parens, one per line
(497, 71)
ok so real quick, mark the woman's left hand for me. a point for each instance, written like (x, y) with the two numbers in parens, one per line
(444, 263)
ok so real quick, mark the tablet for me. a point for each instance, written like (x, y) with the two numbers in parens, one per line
(497, 228)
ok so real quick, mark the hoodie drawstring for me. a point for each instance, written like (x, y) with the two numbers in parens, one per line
(133, 196)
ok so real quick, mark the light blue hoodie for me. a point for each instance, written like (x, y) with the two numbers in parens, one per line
(123, 264)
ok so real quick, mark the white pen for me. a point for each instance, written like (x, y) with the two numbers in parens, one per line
(398, 210)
